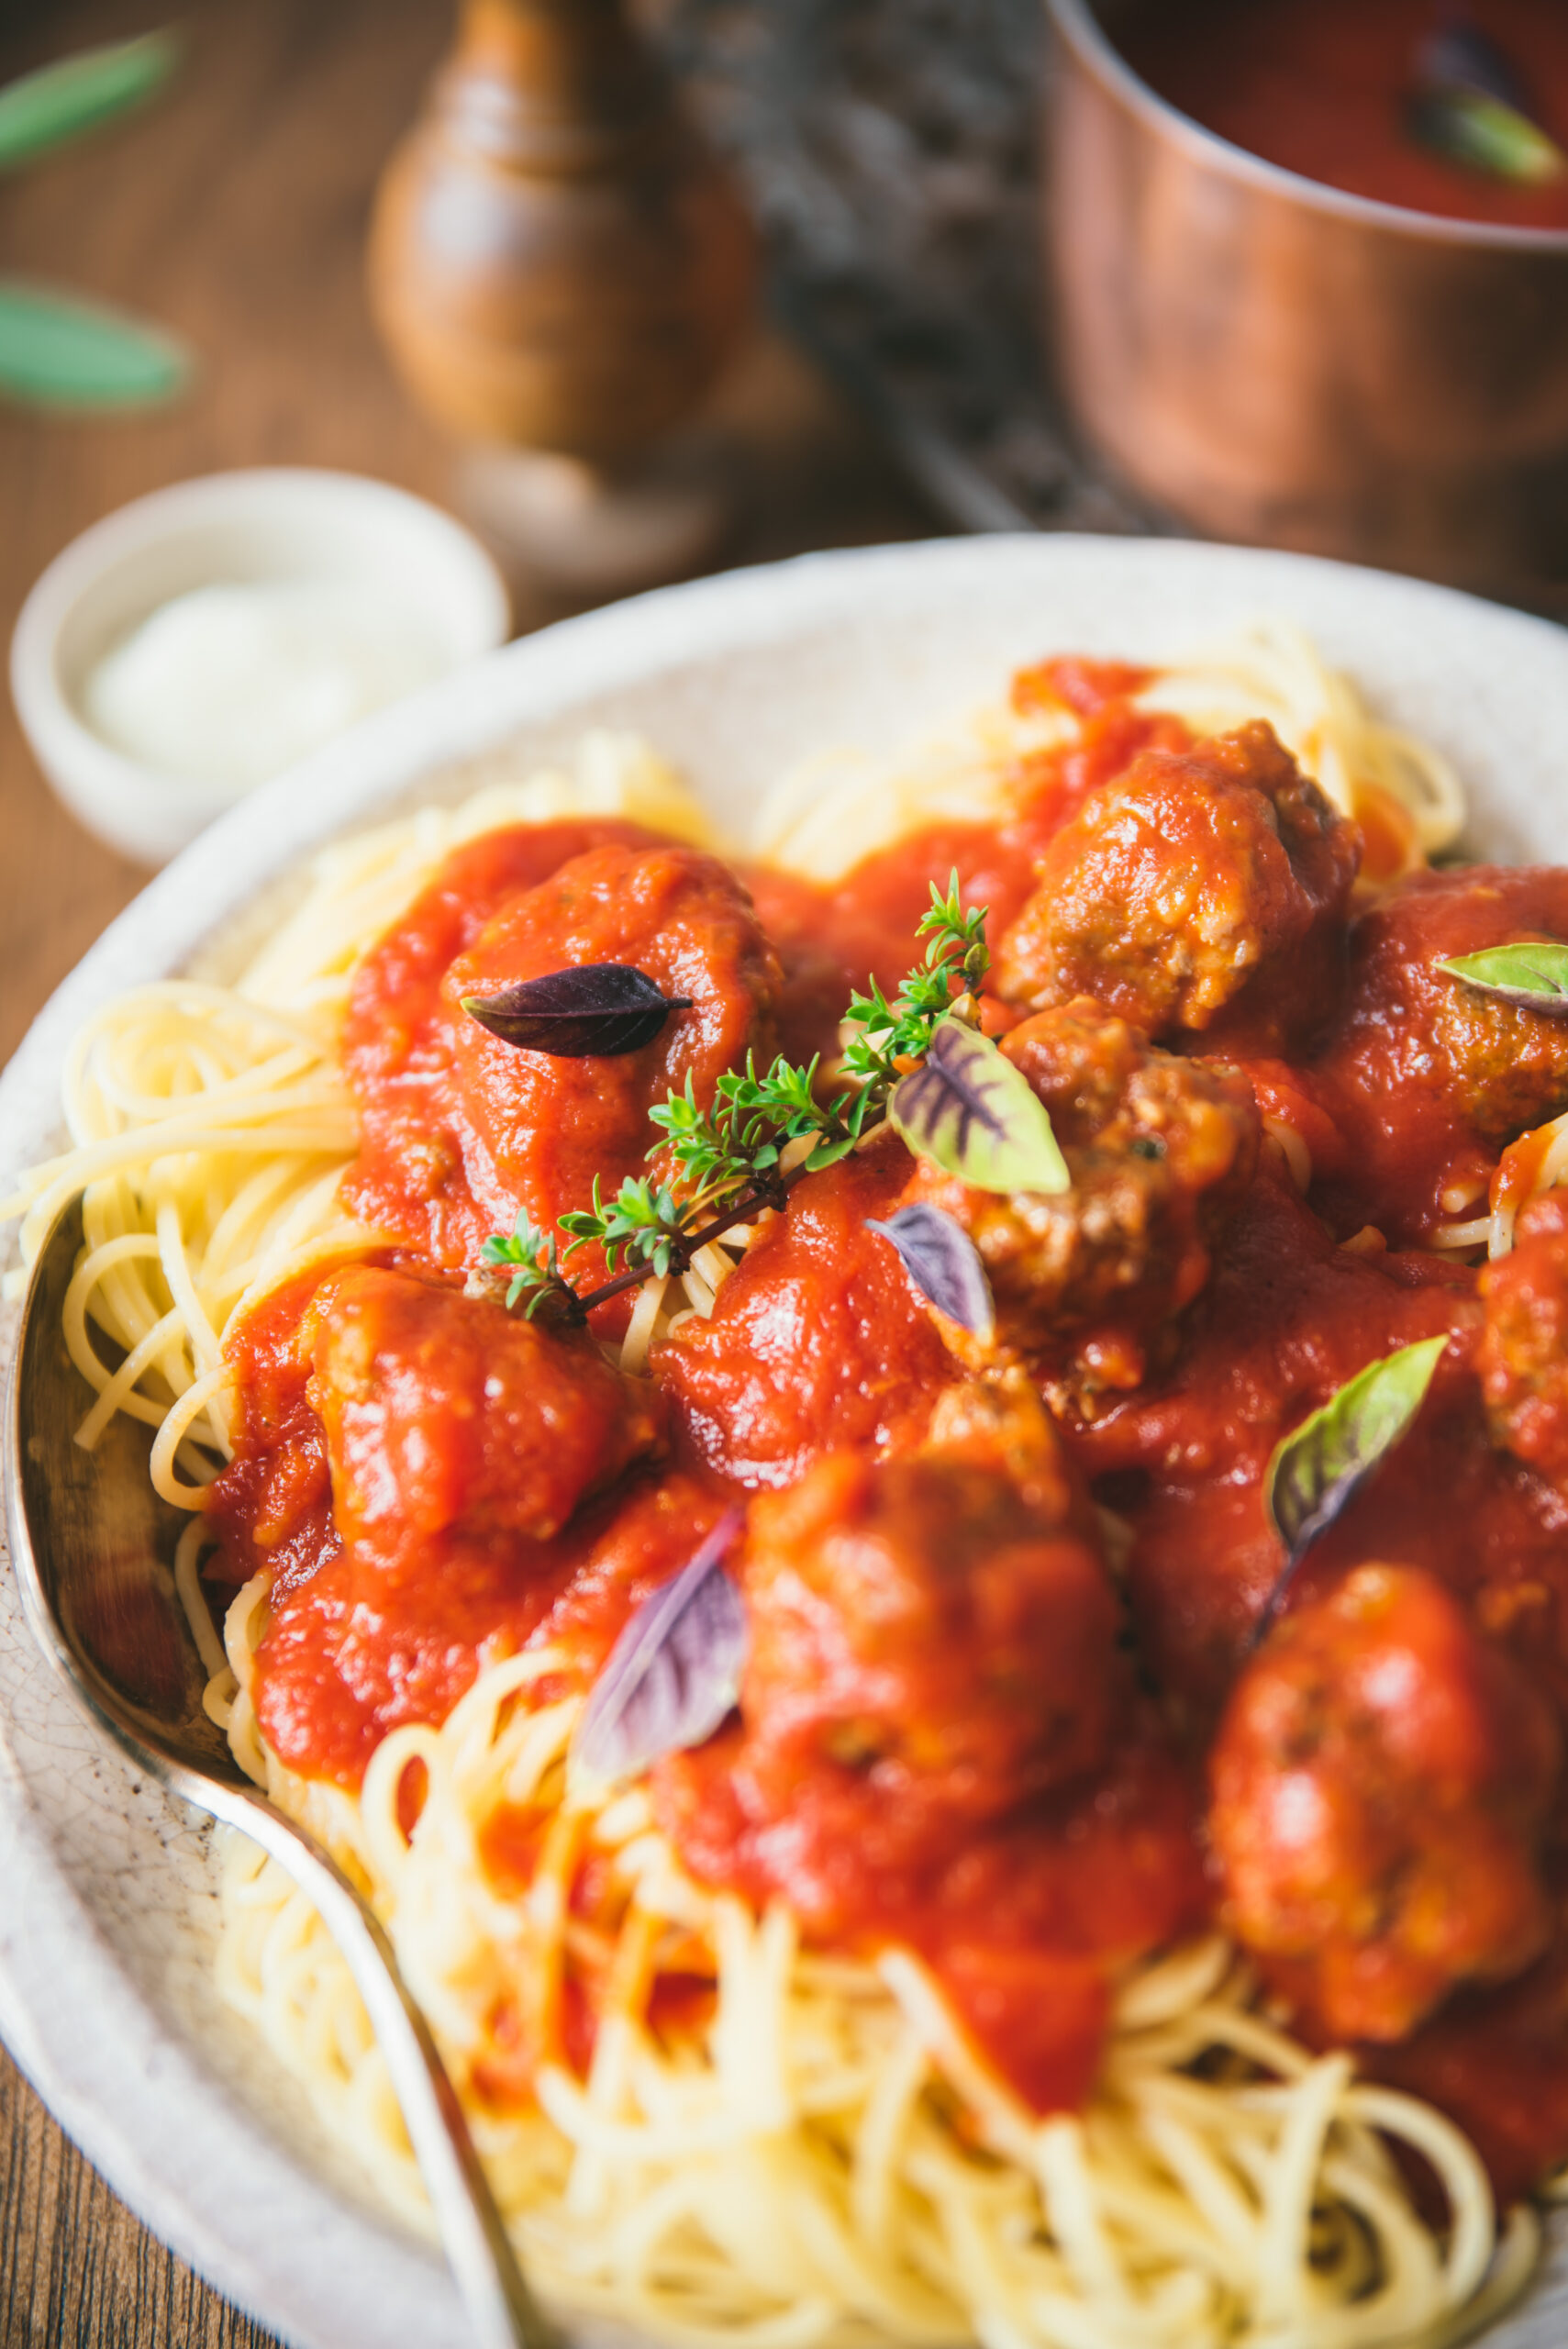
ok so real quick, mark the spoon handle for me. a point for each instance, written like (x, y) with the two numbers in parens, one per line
(501, 2308)
(64, 1511)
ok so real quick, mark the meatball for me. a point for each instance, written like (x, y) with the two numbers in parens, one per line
(448, 1417)
(1424, 1077)
(1523, 1355)
(460, 1131)
(1197, 883)
(409, 1180)
(1409, 1026)
(816, 1339)
(935, 1630)
(1509, 1063)
(940, 1740)
(543, 1128)
(1381, 1779)
(1159, 1150)
(386, 1026)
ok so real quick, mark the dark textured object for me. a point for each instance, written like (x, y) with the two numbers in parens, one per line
(595, 1011)
(889, 150)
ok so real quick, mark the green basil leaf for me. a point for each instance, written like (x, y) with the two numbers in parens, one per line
(1483, 133)
(44, 109)
(1324, 1463)
(975, 1116)
(1535, 975)
(1459, 54)
(57, 352)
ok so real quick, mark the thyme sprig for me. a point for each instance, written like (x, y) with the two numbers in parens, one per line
(645, 1224)
(721, 1165)
(536, 1269)
(888, 1036)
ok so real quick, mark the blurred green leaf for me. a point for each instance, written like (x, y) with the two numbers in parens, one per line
(56, 351)
(1473, 129)
(44, 109)
(1534, 973)
(1324, 1463)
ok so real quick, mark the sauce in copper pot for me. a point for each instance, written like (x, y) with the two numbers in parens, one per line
(1323, 87)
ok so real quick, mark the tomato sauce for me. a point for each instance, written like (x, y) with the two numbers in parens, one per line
(929, 1783)
(343, 1661)
(814, 1330)
(1322, 87)
(1288, 1318)
(1423, 1081)
(1025, 1923)
(1497, 2062)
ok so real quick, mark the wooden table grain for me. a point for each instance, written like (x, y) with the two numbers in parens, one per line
(234, 212)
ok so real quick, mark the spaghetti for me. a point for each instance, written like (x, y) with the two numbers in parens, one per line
(769, 2141)
(826, 2160)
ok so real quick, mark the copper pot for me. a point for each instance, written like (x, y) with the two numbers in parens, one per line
(1276, 362)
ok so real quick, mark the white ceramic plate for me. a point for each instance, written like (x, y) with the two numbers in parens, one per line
(107, 1911)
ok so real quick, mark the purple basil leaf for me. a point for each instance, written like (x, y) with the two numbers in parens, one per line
(595, 1011)
(674, 1672)
(1471, 106)
(944, 1265)
(1460, 56)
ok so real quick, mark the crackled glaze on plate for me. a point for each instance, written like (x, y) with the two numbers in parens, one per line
(108, 1897)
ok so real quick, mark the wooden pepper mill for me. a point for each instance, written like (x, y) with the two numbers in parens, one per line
(561, 270)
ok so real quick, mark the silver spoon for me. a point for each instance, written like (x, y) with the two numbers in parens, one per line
(86, 1533)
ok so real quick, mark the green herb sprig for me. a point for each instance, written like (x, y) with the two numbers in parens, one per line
(889, 1035)
(724, 1164)
(536, 1271)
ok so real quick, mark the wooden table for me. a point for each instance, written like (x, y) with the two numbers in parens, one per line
(234, 212)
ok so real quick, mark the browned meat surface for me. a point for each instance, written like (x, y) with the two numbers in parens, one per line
(448, 1416)
(1159, 1150)
(1523, 1355)
(1198, 883)
(1382, 1781)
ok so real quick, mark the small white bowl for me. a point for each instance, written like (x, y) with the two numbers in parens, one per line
(284, 523)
